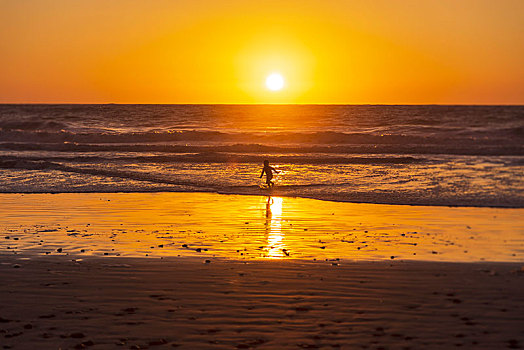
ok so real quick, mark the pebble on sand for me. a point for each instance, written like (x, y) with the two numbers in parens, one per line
(84, 344)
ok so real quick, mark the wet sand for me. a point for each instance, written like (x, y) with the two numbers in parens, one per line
(206, 271)
(202, 225)
(134, 303)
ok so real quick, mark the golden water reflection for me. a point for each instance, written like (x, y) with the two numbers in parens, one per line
(206, 225)
(275, 246)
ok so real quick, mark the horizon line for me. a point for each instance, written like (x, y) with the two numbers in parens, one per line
(266, 104)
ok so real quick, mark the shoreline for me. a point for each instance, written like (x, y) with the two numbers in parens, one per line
(275, 193)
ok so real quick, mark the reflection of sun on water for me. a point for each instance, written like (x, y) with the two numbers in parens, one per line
(276, 207)
(275, 247)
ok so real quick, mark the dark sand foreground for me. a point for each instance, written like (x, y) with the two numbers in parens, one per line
(111, 303)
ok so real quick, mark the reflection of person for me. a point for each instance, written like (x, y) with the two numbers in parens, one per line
(268, 208)
(269, 216)
(269, 173)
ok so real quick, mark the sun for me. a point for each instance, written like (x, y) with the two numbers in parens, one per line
(274, 82)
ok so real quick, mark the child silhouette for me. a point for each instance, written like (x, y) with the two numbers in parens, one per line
(269, 173)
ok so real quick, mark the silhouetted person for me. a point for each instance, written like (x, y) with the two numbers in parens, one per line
(269, 173)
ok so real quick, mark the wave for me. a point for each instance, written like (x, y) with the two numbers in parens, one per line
(203, 158)
(250, 148)
(324, 137)
(321, 137)
(151, 182)
(47, 165)
(31, 125)
(138, 176)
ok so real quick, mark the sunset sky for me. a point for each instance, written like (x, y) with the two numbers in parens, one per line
(208, 51)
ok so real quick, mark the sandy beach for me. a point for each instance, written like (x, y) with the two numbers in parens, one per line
(199, 271)
(186, 303)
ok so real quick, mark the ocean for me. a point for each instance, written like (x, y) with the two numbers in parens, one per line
(414, 155)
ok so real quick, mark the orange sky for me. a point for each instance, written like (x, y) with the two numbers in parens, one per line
(208, 51)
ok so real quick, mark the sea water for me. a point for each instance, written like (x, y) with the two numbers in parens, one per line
(426, 155)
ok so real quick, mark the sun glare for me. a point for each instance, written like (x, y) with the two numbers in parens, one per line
(275, 82)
